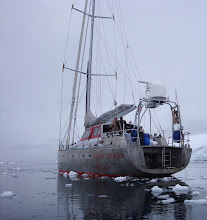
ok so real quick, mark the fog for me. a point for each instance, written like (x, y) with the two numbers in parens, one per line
(167, 39)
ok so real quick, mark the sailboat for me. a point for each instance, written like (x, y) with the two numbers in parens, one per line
(125, 149)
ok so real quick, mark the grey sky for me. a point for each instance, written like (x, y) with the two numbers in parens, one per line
(167, 38)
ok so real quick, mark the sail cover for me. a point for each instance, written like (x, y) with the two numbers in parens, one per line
(109, 116)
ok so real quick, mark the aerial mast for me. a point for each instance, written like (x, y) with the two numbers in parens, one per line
(88, 85)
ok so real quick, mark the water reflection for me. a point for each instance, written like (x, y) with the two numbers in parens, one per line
(96, 198)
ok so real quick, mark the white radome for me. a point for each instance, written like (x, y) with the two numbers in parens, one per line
(158, 91)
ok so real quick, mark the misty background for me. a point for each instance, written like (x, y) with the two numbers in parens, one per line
(167, 39)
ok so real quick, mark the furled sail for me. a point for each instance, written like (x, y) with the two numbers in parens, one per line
(109, 116)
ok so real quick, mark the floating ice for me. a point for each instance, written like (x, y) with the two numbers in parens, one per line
(102, 196)
(6, 194)
(166, 179)
(2, 162)
(153, 181)
(195, 193)
(65, 174)
(196, 202)
(156, 190)
(4, 173)
(72, 174)
(84, 175)
(18, 169)
(86, 178)
(120, 179)
(168, 201)
(55, 171)
(68, 185)
(163, 196)
(178, 189)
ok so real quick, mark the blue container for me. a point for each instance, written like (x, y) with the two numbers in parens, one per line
(146, 139)
(176, 135)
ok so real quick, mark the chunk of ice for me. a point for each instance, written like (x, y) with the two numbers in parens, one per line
(68, 185)
(72, 174)
(153, 181)
(163, 196)
(84, 175)
(178, 189)
(103, 196)
(195, 193)
(168, 201)
(156, 190)
(120, 179)
(7, 194)
(65, 174)
(195, 202)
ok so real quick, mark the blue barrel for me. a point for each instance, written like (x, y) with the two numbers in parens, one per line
(146, 139)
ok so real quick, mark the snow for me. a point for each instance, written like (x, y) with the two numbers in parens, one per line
(120, 179)
(156, 190)
(198, 143)
(168, 201)
(73, 174)
(6, 194)
(68, 185)
(178, 189)
(195, 202)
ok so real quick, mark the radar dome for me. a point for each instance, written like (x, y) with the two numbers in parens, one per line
(158, 91)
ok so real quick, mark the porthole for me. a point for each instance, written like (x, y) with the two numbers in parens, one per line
(83, 155)
(73, 155)
(89, 155)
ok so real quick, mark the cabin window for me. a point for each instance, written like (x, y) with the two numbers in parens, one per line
(86, 134)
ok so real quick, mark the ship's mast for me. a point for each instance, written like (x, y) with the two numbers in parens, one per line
(76, 77)
(88, 85)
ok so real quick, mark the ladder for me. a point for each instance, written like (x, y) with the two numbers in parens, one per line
(166, 158)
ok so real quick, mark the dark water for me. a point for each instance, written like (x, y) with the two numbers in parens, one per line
(41, 193)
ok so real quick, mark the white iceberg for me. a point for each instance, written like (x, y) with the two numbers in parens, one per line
(120, 179)
(195, 202)
(178, 189)
(65, 174)
(73, 174)
(153, 181)
(6, 194)
(195, 193)
(156, 190)
(168, 201)
(163, 196)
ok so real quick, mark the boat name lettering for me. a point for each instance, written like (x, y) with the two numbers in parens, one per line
(108, 155)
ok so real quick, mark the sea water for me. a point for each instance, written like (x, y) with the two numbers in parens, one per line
(38, 191)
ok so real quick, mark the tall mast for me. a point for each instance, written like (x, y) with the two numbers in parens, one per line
(76, 77)
(88, 86)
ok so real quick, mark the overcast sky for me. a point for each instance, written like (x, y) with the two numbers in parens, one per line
(167, 38)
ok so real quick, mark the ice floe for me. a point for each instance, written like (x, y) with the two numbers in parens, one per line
(156, 190)
(85, 175)
(178, 189)
(6, 194)
(4, 173)
(18, 169)
(65, 174)
(3, 162)
(103, 196)
(120, 179)
(195, 193)
(73, 174)
(168, 201)
(163, 196)
(195, 202)
(153, 181)
(68, 185)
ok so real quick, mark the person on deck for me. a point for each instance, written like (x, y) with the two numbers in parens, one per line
(122, 124)
(114, 125)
